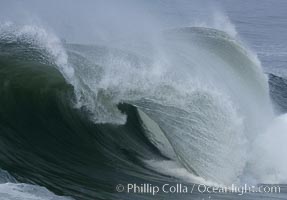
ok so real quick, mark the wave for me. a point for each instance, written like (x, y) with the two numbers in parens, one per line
(79, 118)
(192, 90)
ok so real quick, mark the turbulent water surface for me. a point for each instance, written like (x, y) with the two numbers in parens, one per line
(193, 107)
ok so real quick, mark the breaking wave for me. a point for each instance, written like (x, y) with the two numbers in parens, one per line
(77, 119)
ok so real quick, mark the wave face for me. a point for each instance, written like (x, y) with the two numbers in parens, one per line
(79, 118)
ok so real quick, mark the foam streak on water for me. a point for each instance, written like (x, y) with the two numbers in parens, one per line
(11, 190)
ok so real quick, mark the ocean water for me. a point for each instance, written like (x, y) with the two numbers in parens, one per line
(263, 25)
(143, 100)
